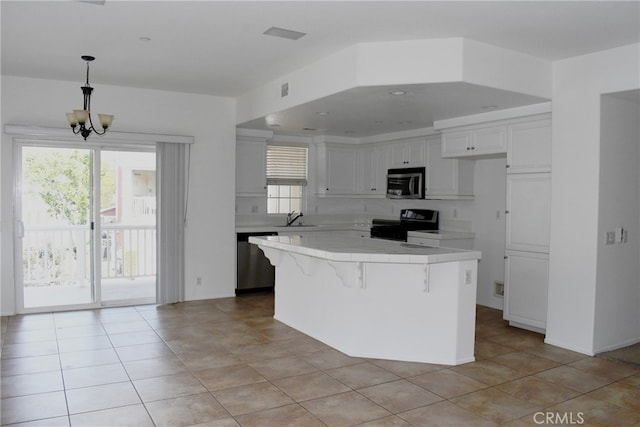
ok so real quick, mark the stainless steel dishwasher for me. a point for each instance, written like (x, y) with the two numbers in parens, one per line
(255, 273)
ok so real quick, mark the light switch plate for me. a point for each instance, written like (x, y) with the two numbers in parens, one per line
(618, 235)
(610, 238)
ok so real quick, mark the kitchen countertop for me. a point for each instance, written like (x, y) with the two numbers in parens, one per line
(349, 249)
(259, 228)
(441, 234)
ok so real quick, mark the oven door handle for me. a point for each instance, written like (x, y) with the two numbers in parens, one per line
(411, 188)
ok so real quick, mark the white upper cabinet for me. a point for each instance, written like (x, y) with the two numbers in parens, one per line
(408, 153)
(528, 212)
(250, 167)
(337, 169)
(447, 178)
(484, 141)
(373, 162)
(529, 147)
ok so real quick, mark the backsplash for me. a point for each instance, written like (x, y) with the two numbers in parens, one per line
(454, 215)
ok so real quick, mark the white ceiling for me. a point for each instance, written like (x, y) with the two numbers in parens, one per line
(217, 47)
(367, 111)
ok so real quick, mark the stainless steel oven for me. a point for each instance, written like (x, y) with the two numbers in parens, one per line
(406, 183)
(410, 220)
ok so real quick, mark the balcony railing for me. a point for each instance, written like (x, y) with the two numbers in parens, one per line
(59, 255)
(143, 206)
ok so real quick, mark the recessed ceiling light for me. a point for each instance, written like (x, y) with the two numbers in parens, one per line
(144, 39)
(397, 92)
(489, 107)
(322, 113)
(284, 33)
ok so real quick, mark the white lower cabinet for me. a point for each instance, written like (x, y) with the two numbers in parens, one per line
(526, 280)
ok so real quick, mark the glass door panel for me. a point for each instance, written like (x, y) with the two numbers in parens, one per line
(56, 218)
(128, 226)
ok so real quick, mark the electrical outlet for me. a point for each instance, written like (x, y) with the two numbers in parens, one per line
(467, 277)
(254, 209)
(199, 281)
(284, 90)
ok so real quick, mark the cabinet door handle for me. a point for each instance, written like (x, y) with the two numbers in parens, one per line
(505, 257)
(468, 148)
(473, 148)
(506, 212)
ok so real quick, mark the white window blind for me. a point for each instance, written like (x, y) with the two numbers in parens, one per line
(286, 165)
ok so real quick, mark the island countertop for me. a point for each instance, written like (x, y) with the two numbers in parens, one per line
(334, 247)
(376, 298)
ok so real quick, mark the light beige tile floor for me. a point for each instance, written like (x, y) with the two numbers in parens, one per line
(227, 362)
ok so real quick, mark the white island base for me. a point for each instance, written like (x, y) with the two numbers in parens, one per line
(409, 304)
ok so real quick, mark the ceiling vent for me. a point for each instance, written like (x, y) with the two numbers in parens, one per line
(284, 33)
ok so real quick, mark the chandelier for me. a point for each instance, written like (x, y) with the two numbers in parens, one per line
(81, 119)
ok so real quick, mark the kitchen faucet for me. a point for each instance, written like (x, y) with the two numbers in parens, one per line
(292, 217)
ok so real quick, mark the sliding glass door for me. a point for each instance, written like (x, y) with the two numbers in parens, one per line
(128, 226)
(55, 227)
(86, 234)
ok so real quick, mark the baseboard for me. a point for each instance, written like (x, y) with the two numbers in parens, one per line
(568, 347)
(617, 346)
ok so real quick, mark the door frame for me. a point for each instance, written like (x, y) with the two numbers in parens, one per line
(95, 168)
(23, 133)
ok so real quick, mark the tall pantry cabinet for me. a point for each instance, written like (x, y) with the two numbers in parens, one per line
(528, 212)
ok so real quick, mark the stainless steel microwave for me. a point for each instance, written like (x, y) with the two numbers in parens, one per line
(406, 183)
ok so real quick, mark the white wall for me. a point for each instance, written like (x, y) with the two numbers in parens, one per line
(617, 314)
(401, 62)
(210, 238)
(578, 84)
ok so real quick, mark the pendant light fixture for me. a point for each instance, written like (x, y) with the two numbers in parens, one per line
(83, 117)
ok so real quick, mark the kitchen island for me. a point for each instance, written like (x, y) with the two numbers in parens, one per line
(376, 298)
